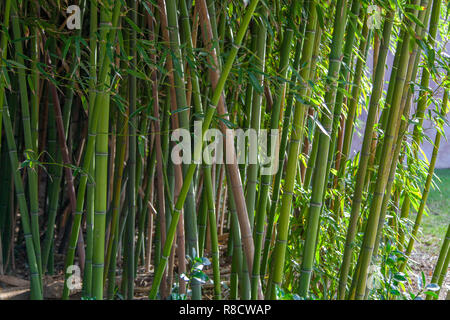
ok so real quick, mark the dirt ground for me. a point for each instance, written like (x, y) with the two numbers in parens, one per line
(424, 258)
(16, 286)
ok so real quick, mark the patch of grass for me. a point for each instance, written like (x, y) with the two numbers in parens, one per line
(436, 223)
(433, 228)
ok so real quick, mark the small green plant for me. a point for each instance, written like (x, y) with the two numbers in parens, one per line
(196, 271)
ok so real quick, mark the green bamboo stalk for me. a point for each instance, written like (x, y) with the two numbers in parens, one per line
(100, 206)
(116, 223)
(422, 102)
(34, 87)
(118, 178)
(383, 173)
(277, 180)
(29, 145)
(190, 220)
(355, 93)
(313, 153)
(255, 117)
(213, 231)
(426, 189)
(406, 106)
(444, 269)
(3, 48)
(319, 176)
(423, 97)
(248, 102)
(241, 277)
(265, 179)
(207, 121)
(362, 167)
(107, 35)
(186, 31)
(294, 144)
(202, 220)
(87, 276)
(56, 174)
(151, 164)
(351, 30)
(442, 263)
(36, 285)
(131, 163)
(87, 279)
(236, 262)
(349, 122)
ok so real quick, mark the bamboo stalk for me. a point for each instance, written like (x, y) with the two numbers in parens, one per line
(36, 288)
(190, 172)
(213, 231)
(442, 263)
(319, 177)
(291, 169)
(29, 144)
(363, 162)
(265, 179)
(3, 48)
(426, 189)
(422, 102)
(372, 223)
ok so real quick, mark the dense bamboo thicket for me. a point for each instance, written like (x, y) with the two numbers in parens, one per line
(204, 148)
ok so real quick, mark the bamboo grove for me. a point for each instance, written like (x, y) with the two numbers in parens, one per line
(88, 122)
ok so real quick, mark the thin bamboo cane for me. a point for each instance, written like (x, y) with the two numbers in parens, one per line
(208, 118)
(420, 211)
(319, 177)
(237, 276)
(202, 220)
(349, 123)
(35, 83)
(4, 52)
(283, 143)
(372, 223)
(29, 145)
(131, 187)
(62, 133)
(93, 20)
(105, 37)
(273, 140)
(402, 127)
(145, 196)
(351, 30)
(118, 178)
(313, 153)
(189, 213)
(297, 131)
(255, 117)
(442, 263)
(36, 287)
(422, 102)
(444, 268)
(213, 231)
(231, 160)
(362, 167)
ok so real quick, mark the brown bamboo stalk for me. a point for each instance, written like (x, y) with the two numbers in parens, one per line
(67, 164)
(231, 166)
(159, 157)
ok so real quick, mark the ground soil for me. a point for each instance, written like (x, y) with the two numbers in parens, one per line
(423, 259)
